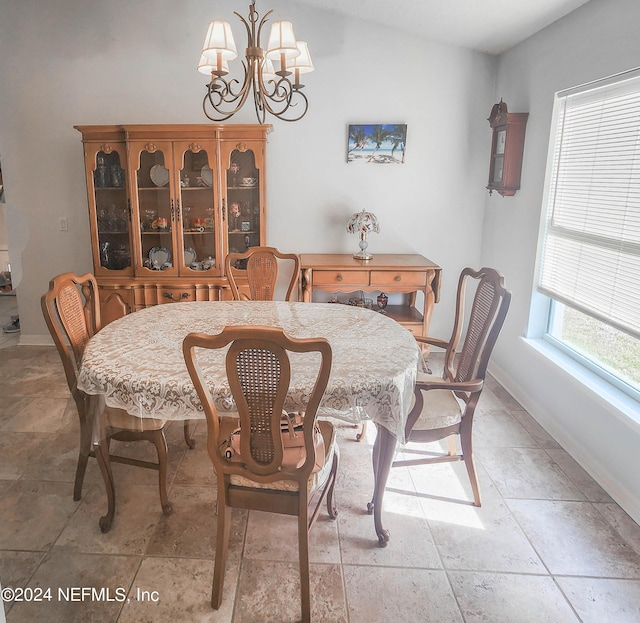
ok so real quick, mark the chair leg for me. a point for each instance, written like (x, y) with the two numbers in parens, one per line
(363, 431)
(303, 553)
(83, 454)
(467, 452)
(81, 469)
(222, 549)
(104, 462)
(189, 440)
(331, 505)
(160, 442)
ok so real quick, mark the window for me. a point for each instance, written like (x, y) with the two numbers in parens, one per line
(590, 264)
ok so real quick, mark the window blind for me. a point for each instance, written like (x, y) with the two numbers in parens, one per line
(591, 247)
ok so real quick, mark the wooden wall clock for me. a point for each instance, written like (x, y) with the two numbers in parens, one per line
(507, 147)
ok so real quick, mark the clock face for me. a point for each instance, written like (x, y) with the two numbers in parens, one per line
(501, 140)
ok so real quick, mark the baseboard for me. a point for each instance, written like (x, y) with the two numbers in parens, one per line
(35, 340)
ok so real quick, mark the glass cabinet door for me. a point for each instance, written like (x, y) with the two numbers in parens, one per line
(155, 209)
(244, 201)
(198, 219)
(112, 217)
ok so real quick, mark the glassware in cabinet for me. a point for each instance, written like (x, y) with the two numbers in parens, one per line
(244, 196)
(154, 207)
(198, 222)
(111, 222)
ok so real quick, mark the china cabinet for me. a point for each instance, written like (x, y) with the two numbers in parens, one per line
(507, 148)
(166, 204)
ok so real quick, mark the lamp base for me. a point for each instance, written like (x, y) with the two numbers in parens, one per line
(362, 255)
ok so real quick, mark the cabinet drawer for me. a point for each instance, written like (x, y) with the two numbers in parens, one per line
(175, 294)
(340, 277)
(399, 278)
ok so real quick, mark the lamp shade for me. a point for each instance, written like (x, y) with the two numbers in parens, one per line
(363, 222)
(282, 41)
(219, 40)
(303, 62)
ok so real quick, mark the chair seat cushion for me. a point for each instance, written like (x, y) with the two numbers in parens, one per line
(316, 480)
(441, 407)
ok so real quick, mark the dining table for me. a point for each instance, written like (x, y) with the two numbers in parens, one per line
(136, 363)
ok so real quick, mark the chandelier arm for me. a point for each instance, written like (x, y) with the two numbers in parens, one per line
(290, 94)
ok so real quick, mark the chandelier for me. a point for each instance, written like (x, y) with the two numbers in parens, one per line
(275, 92)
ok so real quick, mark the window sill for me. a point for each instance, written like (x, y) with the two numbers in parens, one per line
(622, 403)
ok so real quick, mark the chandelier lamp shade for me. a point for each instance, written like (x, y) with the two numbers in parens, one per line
(362, 223)
(275, 92)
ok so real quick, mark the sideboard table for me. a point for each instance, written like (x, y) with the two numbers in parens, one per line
(388, 273)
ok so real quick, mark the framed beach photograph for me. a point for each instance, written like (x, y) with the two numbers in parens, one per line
(377, 143)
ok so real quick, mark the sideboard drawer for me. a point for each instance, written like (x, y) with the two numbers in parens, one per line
(168, 294)
(340, 277)
(398, 278)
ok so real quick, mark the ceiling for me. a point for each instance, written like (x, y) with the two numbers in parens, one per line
(491, 26)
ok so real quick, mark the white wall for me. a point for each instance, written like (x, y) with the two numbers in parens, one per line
(597, 40)
(96, 62)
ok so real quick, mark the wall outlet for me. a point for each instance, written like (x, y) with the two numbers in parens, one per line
(64, 224)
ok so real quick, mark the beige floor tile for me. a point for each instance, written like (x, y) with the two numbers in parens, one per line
(542, 437)
(16, 569)
(447, 482)
(275, 537)
(109, 576)
(56, 457)
(573, 538)
(16, 452)
(43, 415)
(269, 592)
(190, 531)
(383, 594)
(411, 540)
(527, 473)
(196, 467)
(589, 487)
(33, 513)
(628, 529)
(507, 598)
(483, 539)
(177, 589)
(597, 600)
(138, 512)
(497, 428)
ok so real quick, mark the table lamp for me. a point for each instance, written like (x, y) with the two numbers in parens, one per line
(362, 223)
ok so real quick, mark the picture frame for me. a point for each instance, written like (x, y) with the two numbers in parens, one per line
(245, 226)
(377, 143)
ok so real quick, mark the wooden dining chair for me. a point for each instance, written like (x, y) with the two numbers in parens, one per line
(261, 474)
(444, 406)
(258, 267)
(72, 312)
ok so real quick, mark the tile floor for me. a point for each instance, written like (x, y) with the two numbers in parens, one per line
(8, 308)
(548, 544)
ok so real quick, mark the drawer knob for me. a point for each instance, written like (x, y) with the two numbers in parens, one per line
(339, 278)
(398, 278)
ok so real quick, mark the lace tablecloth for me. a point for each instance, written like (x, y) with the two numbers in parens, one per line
(136, 362)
